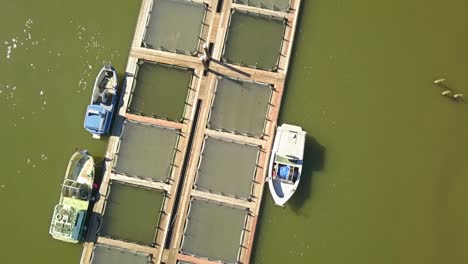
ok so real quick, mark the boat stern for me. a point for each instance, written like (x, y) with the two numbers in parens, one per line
(67, 223)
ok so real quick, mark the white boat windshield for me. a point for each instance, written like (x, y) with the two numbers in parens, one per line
(76, 165)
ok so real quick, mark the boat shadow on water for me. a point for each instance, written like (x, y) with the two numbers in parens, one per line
(92, 229)
(314, 161)
(118, 120)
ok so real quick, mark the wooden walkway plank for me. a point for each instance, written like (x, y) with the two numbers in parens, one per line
(221, 29)
(166, 57)
(289, 35)
(223, 199)
(195, 260)
(126, 245)
(141, 182)
(235, 138)
(154, 121)
(143, 17)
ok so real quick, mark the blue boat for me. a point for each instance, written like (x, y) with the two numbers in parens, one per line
(103, 102)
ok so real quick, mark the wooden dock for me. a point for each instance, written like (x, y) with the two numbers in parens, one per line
(193, 132)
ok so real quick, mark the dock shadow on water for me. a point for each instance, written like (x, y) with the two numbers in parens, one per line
(93, 219)
(118, 120)
(314, 161)
(93, 224)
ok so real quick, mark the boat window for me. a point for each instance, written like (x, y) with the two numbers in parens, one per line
(287, 160)
(285, 173)
(76, 166)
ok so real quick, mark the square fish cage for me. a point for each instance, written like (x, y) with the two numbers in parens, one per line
(132, 213)
(146, 151)
(160, 90)
(240, 106)
(244, 46)
(227, 168)
(103, 254)
(214, 231)
(175, 26)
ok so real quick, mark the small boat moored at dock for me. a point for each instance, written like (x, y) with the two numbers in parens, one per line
(68, 220)
(103, 101)
(285, 168)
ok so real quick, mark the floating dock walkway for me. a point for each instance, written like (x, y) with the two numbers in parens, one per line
(207, 136)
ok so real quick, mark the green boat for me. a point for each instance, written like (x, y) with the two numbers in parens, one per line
(68, 220)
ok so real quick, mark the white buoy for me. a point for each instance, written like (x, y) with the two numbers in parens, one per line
(204, 60)
(206, 50)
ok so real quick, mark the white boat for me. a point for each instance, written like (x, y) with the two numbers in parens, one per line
(284, 172)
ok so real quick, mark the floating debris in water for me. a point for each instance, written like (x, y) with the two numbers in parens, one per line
(8, 56)
(458, 97)
(446, 92)
(16, 41)
(29, 22)
(82, 84)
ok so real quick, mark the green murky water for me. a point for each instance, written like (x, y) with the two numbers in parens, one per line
(213, 231)
(57, 47)
(160, 91)
(104, 254)
(176, 33)
(385, 180)
(240, 106)
(146, 151)
(254, 40)
(235, 162)
(132, 213)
